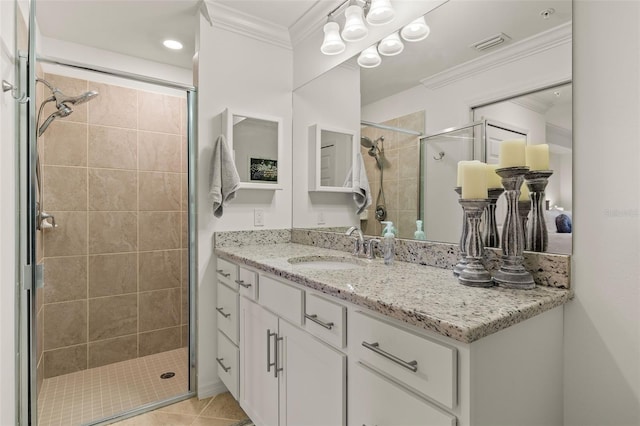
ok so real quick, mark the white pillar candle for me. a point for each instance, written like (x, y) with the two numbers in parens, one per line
(512, 153)
(524, 192)
(493, 179)
(537, 156)
(460, 163)
(474, 181)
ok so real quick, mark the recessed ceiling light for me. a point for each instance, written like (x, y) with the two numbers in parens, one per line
(172, 44)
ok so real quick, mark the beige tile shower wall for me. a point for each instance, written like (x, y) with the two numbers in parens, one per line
(401, 174)
(116, 272)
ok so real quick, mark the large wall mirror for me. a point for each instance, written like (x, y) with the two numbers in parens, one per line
(484, 62)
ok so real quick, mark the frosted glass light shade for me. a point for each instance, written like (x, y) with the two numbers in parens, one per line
(391, 45)
(416, 30)
(332, 43)
(369, 58)
(380, 12)
(354, 26)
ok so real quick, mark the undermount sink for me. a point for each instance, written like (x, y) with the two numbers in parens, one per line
(327, 262)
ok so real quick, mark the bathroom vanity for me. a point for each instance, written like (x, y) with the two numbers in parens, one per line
(311, 336)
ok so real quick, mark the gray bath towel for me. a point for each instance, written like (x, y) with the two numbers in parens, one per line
(225, 180)
(361, 190)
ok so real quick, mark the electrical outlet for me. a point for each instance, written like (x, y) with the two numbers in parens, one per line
(258, 217)
(320, 217)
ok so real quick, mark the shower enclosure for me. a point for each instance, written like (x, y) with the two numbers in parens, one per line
(108, 238)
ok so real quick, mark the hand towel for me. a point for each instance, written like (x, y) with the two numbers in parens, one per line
(225, 180)
(361, 190)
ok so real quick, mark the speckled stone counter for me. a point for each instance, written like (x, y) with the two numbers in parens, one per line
(427, 297)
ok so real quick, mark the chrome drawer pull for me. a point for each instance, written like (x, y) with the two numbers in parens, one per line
(314, 318)
(275, 365)
(221, 272)
(222, 313)
(226, 369)
(375, 347)
(242, 284)
(269, 363)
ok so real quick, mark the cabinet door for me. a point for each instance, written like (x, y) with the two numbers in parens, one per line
(258, 383)
(376, 401)
(312, 380)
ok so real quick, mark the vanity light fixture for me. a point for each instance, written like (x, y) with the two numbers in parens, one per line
(172, 44)
(369, 57)
(416, 30)
(332, 44)
(391, 45)
(354, 26)
(380, 12)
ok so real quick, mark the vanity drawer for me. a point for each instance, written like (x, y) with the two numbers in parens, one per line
(227, 273)
(375, 400)
(397, 352)
(228, 361)
(227, 312)
(248, 283)
(282, 299)
(326, 320)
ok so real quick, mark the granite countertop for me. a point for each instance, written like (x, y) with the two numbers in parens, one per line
(427, 297)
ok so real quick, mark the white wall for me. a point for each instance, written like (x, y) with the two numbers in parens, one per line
(332, 101)
(522, 118)
(8, 230)
(602, 323)
(246, 74)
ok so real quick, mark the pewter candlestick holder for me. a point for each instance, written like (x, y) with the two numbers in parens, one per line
(511, 273)
(524, 207)
(474, 273)
(462, 262)
(538, 238)
(491, 238)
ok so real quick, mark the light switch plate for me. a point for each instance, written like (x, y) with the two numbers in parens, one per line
(258, 217)
(320, 217)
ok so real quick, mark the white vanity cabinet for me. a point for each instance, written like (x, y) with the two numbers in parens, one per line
(288, 377)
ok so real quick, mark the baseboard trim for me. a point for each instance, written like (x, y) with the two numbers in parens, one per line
(211, 389)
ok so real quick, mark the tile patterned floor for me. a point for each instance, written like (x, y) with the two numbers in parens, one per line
(221, 410)
(89, 395)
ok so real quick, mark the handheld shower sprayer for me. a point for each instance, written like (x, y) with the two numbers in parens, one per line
(63, 104)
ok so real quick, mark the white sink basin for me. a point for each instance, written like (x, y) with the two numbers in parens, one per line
(333, 263)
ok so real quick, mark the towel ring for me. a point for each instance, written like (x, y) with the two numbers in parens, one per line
(440, 156)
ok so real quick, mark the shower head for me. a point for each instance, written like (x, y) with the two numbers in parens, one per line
(366, 142)
(62, 99)
(62, 111)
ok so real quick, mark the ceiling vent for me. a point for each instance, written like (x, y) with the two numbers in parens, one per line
(490, 42)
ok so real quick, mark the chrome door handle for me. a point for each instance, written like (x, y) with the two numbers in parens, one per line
(226, 369)
(221, 272)
(375, 347)
(276, 369)
(269, 363)
(314, 318)
(242, 284)
(222, 313)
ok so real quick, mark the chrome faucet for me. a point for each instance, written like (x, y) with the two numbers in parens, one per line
(369, 248)
(358, 245)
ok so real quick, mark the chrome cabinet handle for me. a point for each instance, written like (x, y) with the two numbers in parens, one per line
(226, 369)
(276, 369)
(221, 272)
(222, 313)
(242, 284)
(314, 318)
(269, 363)
(375, 347)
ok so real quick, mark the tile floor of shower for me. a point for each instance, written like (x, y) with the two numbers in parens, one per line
(90, 395)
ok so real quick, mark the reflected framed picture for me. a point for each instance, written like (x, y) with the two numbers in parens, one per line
(263, 170)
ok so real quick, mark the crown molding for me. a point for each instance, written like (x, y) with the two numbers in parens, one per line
(312, 21)
(538, 43)
(532, 104)
(232, 20)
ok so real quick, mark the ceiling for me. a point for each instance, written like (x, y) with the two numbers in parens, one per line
(137, 28)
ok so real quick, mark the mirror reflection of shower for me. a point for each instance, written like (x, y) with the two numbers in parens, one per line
(376, 150)
(63, 109)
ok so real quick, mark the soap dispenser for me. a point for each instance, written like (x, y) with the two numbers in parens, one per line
(419, 234)
(388, 243)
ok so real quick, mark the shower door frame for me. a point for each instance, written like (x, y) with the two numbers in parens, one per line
(28, 410)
